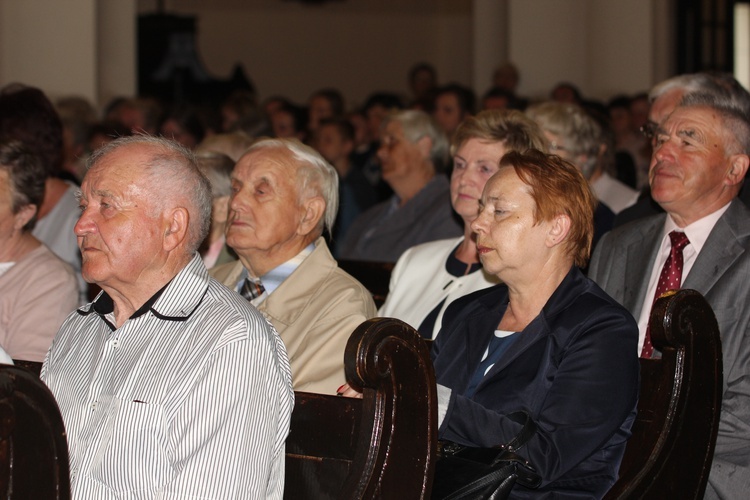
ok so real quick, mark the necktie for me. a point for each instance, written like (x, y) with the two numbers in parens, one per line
(252, 289)
(669, 279)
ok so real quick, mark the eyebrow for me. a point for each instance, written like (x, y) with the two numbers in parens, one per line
(689, 133)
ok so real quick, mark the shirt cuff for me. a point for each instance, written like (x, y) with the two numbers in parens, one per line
(444, 398)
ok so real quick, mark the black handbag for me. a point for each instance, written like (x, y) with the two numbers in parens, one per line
(464, 472)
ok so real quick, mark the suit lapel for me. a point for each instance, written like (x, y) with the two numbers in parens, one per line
(721, 250)
(639, 257)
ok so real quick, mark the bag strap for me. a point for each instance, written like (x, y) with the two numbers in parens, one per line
(526, 432)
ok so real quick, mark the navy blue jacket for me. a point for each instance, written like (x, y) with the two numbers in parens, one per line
(574, 369)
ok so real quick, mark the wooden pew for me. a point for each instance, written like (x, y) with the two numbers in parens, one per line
(669, 454)
(380, 446)
(33, 450)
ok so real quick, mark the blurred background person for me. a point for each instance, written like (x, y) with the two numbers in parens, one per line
(78, 116)
(506, 78)
(429, 277)
(323, 104)
(217, 168)
(28, 116)
(37, 289)
(453, 103)
(574, 136)
(289, 122)
(413, 154)
(334, 140)
(422, 85)
(184, 125)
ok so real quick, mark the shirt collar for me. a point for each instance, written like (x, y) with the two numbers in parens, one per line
(698, 231)
(175, 301)
(273, 278)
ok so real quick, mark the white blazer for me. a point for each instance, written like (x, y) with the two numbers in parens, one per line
(419, 283)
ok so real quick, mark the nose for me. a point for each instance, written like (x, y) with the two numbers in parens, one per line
(85, 225)
(662, 149)
(478, 225)
(236, 203)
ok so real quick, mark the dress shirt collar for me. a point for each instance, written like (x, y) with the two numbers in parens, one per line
(175, 301)
(698, 231)
(273, 278)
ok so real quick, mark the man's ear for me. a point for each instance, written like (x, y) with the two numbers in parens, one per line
(23, 216)
(738, 165)
(558, 230)
(313, 209)
(176, 230)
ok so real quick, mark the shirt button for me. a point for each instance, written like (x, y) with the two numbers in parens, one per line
(115, 343)
(93, 406)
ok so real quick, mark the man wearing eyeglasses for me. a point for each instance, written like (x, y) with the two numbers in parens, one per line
(698, 165)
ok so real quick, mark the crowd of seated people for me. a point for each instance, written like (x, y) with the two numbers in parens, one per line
(296, 187)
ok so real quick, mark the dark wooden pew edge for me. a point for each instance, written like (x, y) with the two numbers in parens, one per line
(389, 448)
(670, 452)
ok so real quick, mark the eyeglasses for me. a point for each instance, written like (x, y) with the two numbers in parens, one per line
(649, 130)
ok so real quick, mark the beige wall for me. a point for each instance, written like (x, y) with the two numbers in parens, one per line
(69, 47)
(49, 44)
(602, 46)
(87, 47)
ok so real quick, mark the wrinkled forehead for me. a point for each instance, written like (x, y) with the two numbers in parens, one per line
(276, 164)
(698, 118)
(123, 170)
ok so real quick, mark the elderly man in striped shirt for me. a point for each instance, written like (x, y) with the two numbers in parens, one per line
(170, 385)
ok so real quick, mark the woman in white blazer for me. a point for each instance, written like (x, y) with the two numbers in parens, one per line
(428, 277)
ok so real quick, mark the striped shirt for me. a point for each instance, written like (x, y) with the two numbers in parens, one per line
(190, 398)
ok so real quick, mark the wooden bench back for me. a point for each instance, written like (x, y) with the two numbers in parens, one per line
(670, 452)
(382, 446)
(33, 450)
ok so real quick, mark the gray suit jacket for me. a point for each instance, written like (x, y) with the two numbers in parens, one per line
(622, 264)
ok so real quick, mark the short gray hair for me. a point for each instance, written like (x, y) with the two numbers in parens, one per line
(417, 124)
(315, 176)
(688, 83)
(733, 113)
(573, 123)
(173, 169)
(724, 86)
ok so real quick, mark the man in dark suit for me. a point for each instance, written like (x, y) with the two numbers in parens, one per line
(699, 162)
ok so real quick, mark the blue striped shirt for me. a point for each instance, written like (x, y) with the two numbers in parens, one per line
(190, 398)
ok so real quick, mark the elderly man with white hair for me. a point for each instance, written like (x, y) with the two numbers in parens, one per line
(170, 385)
(283, 196)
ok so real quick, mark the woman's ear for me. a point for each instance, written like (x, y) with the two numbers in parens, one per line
(558, 230)
(23, 216)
